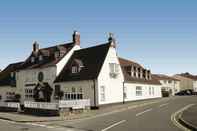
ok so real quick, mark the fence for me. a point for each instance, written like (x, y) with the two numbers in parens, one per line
(10, 104)
(41, 105)
(75, 104)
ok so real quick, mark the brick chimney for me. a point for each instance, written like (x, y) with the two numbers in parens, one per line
(35, 47)
(76, 38)
(112, 40)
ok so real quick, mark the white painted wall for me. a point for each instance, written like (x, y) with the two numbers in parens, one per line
(130, 89)
(195, 86)
(31, 77)
(113, 86)
(4, 90)
(185, 83)
(86, 85)
(60, 65)
(174, 86)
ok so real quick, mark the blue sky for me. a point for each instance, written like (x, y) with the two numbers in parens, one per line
(160, 34)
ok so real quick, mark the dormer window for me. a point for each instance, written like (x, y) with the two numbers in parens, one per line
(57, 54)
(12, 74)
(75, 69)
(40, 58)
(32, 59)
(77, 66)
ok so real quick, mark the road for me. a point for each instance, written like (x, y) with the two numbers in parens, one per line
(154, 117)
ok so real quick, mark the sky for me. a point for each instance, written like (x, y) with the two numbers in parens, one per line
(159, 34)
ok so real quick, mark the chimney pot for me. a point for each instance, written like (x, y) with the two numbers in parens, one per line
(35, 47)
(76, 38)
(112, 40)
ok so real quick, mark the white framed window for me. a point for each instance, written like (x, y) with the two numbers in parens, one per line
(153, 91)
(28, 93)
(138, 91)
(114, 69)
(150, 91)
(32, 59)
(40, 58)
(57, 54)
(74, 69)
(102, 93)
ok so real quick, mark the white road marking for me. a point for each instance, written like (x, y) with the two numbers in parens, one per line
(138, 114)
(163, 104)
(113, 125)
(175, 122)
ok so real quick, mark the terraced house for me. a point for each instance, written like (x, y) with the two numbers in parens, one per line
(67, 72)
(169, 84)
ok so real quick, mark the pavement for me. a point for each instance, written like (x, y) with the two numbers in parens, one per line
(151, 115)
(189, 117)
(20, 117)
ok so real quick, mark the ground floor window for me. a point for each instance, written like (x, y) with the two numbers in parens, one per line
(153, 91)
(138, 91)
(150, 91)
(10, 95)
(28, 93)
(73, 96)
(102, 93)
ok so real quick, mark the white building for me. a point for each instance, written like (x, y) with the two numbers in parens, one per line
(98, 74)
(187, 81)
(138, 82)
(67, 72)
(8, 79)
(169, 84)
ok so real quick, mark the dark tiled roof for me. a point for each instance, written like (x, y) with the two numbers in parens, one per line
(5, 78)
(48, 56)
(188, 75)
(125, 62)
(92, 60)
(163, 77)
(127, 78)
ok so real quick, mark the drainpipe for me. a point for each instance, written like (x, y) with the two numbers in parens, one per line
(94, 84)
(123, 93)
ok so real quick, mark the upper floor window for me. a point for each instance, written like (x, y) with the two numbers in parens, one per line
(114, 69)
(40, 58)
(57, 54)
(74, 69)
(32, 59)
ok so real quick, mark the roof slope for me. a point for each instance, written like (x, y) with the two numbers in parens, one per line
(129, 79)
(125, 62)
(92, 59)
(5, 78)
(48, 56)
(164, 77)
(188, 75)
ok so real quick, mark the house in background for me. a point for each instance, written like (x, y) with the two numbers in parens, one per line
(8, 79)
(138, 82)
(187, 81)
(169, 84)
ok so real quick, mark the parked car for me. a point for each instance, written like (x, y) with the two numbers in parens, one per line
(165, 93)
(186, 93)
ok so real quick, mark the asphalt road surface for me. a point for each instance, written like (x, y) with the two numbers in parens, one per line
(154, 117)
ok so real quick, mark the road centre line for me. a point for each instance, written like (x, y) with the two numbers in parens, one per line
(113, 125)
(163, 104)
(138, 114)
